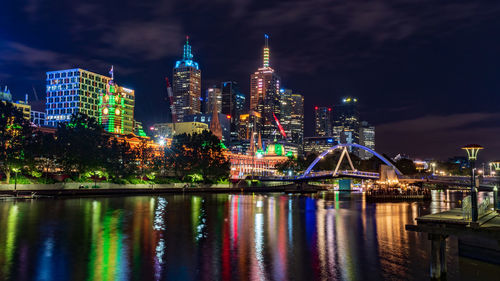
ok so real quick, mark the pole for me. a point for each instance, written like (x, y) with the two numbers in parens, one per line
(495, 198)
(473, 193)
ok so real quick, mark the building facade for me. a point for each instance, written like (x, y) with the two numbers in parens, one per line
(322, 121)
(233, 105)
(213, 95)
(366, 138)
(346, 121)
(265, 94)
(116, 109)
(186, 85)
(73, 91)
(318, 144)
(292, 116)
(224, 122)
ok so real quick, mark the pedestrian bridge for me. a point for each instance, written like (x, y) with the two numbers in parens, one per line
(310, 174)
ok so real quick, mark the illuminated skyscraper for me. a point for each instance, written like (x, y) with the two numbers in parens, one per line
(366, 138)
(292, 115)
(233, 105)
(213, 95)
(265, 94)
(346, 121)
(322, 121)
(186, 85)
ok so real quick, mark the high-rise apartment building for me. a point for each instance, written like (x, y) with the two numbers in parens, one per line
(265, 94)
(186, 85)
(213, 95)
(322, 121)
(71, 91)
(366, 138)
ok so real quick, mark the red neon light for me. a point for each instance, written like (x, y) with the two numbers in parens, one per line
(315, 108)
(282, 131)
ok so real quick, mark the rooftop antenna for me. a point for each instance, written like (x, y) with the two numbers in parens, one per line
(265, 57)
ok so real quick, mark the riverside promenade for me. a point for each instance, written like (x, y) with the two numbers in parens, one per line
(74, 189)
(477, 240)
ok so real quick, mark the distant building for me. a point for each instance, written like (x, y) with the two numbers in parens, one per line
(213, 95)
(72, 91)
(37, 114)
(5, 94)
(318, 144)
(293, 116)
(37, 118)
(224, 122)
(249, 124)
(366, 138)
(322, 121)
(186, 85)
(168, 130)
(346, 120)
(233, 105)
(265, 94)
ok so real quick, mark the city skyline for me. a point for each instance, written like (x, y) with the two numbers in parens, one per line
(399, 109)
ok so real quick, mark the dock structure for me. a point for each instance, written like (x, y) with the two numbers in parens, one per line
(478, 240)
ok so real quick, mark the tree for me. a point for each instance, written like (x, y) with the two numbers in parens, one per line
(406, 166)
(201, 153)
(120, 159)
(81, 144)
(15, 132)
(294, 165)
(144, 154)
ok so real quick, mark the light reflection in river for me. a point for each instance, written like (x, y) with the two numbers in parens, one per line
(333, 236)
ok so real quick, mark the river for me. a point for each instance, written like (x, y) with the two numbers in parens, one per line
(327, 236)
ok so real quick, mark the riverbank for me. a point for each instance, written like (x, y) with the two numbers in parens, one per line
(73, 189)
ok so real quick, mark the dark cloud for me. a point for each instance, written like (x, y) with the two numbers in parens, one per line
(431, 136)
(414, 60)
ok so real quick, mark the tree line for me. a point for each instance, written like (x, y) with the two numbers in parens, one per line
(80, 149)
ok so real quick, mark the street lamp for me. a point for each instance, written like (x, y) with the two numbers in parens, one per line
(433, 165)
(472, 151)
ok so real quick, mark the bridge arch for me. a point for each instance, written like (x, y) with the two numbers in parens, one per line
(342, 145)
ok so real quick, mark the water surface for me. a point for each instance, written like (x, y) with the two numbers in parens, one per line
(329, 236)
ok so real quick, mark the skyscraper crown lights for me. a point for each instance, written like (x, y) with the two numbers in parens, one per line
(187, 57)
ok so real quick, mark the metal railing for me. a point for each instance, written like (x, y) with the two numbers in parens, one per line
(484, 206)
(466, 208)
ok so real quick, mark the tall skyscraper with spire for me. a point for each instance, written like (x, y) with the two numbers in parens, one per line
(186, 85)
(265, 93)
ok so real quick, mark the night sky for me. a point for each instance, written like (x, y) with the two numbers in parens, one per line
(426, 73)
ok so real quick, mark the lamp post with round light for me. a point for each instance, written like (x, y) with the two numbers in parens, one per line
(472, 151)
(495, 165)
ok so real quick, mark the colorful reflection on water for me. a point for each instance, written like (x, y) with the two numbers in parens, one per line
(329, 236)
